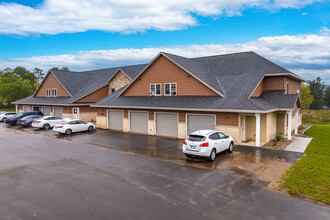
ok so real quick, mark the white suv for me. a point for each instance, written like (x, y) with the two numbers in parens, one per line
(47, 122)
(7, 115)
(207, 143)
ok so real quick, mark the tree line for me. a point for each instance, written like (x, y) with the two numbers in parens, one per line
(19, 83)
(314, 96)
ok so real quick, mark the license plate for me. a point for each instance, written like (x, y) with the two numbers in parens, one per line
(192, 147)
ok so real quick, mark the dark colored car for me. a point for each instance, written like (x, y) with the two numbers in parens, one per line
(28, 120)
(13, 121)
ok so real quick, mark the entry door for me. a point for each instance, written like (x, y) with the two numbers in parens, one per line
(75, 113)
(243, 127)
(36, 108)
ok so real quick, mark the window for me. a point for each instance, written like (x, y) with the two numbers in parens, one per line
(222, 135)
(54, 92)
(113, 90)
(214, 136)
(170, 88)
(155, 90)
(287, 88)
(48, 93)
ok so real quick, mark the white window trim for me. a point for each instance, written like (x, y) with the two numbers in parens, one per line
(55, 92)
(160, 86)
(176, 86)
(48, 94)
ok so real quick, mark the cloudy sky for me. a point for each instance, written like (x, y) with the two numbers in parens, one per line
(94, 34)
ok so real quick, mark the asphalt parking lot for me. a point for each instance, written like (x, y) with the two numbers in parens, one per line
(106, 174)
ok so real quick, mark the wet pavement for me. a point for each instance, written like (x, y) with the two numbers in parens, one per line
(106, 174)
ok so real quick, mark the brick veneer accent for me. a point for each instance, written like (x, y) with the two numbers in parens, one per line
(165, 71)
(50, 82)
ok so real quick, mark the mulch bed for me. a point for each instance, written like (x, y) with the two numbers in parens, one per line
(277, 145)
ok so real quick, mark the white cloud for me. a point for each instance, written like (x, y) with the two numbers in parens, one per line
(308, 55)
(125, 16)
(304, 13)
(325, 31)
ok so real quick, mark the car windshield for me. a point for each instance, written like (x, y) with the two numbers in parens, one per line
(196, 138)
(63, 123)
(19, 115)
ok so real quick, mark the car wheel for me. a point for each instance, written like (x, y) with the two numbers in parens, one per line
(212, 155)
(90, 128)
(46, 126)
(188, 155)
(4, 119)
(231, 147)
(30, 124)
(68, 132)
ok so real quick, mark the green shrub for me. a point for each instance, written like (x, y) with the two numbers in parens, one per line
(279, 137)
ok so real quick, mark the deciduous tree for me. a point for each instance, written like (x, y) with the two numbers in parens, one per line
(316, 87)
(306, 98)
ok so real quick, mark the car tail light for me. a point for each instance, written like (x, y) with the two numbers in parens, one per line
(38, 122)
(185, 142)
(206, 144)
(60, 126)
(22, 120)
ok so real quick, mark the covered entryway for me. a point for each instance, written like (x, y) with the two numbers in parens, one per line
(167, 124)
(115, 119)
(138, 122)
(35, 108)
(198, 122)
(46, 110)
(75, 113)
(26, 108)
(58, 111)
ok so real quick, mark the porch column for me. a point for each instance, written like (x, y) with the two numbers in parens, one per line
(243, 127)
(289, 124)
(296, 123)
(16, 108)
(258, 129)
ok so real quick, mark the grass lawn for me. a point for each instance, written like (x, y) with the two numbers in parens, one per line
(316, 116)
(310, 176)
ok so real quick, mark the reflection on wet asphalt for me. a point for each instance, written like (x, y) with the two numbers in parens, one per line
(44, 175)
(166, 148)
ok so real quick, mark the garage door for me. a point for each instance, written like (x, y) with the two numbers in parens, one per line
(167, 124)
(139, 122)
(58, 111)
(46, 110)
(115, 119)
(198, 122)
(26, 108)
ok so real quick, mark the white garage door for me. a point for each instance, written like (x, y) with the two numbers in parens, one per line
(167, 124)
(46, 110)
(26, 108)
(198, 122)
(58, 111)
(115, 119)
(139, 122)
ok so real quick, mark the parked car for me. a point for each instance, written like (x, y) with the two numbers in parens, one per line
(47, 122)
(13, 120)
(207, 143)
(4, 116)
(28, 120)
(73, 126)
